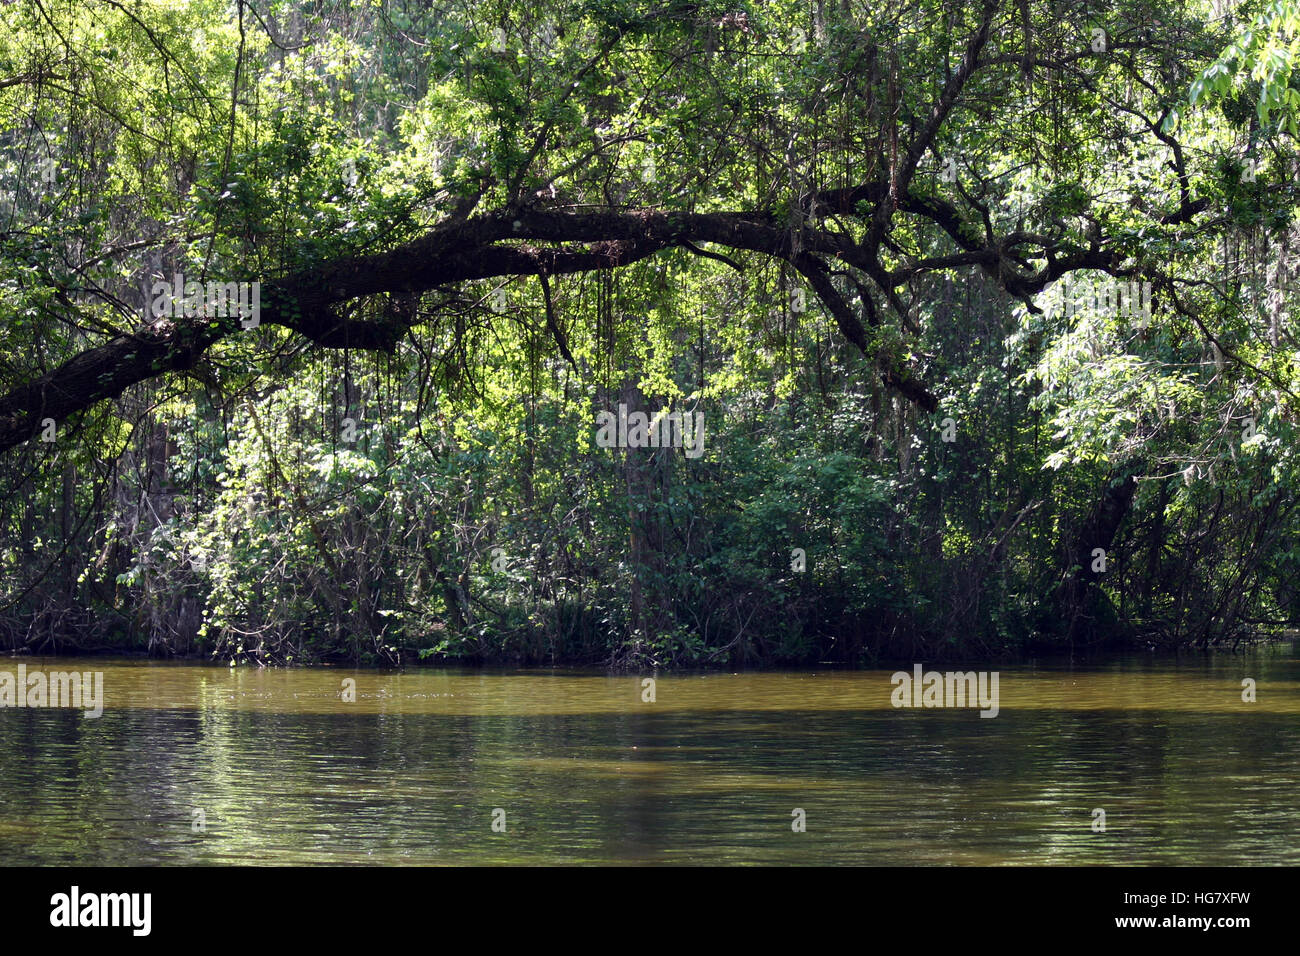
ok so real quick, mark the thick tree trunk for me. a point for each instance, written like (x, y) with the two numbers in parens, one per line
(1080, 591)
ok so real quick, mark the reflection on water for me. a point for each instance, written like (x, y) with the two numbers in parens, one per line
(285, 771)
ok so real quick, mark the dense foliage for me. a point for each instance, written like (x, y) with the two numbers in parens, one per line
(875, 246)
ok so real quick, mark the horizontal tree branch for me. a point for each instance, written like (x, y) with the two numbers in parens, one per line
(541, 241)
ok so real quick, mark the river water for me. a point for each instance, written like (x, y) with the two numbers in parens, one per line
(194, 764)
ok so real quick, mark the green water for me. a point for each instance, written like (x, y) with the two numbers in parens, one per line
(285, 771)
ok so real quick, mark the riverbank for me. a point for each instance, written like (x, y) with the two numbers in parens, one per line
(623, 661)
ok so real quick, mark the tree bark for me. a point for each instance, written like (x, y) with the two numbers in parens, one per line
(1080, 588)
